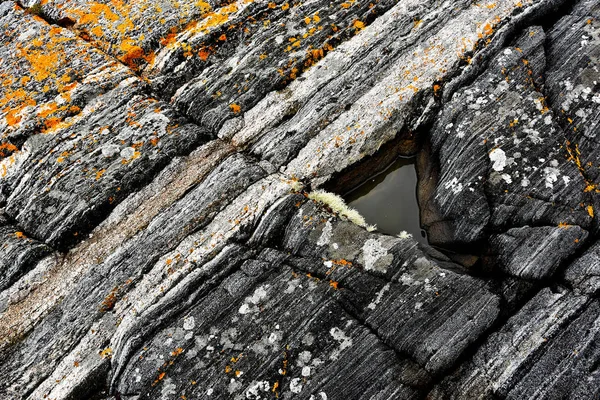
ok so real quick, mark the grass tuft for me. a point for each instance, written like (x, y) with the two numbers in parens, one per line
(339, 206)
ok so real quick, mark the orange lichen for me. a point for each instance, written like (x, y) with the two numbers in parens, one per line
(235, 108)
(106, 353)
(7, 148)
(100, 173)
(358, 25)
(203, 54)
(176, 352)
(109, 301)
(133, 54)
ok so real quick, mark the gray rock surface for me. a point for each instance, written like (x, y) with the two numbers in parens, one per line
(163, 236)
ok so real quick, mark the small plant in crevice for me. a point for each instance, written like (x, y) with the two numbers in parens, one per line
(35, 9)
(339, 206)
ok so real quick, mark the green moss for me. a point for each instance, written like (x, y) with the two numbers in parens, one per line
(36, 9)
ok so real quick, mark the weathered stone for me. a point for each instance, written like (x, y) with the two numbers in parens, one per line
(19, 253)
(536, 253)
(501, 154)
(547, 350)
(584, 274)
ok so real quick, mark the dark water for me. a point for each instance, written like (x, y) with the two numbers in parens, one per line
(389, 200)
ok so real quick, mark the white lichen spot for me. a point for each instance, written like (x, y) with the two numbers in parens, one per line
(379, 296)
(233, 386)
(306, 371)
(375, 256)
(304, 358)
(256, 388)
(325, 235)
(343, 340)
(296, 385)
(406, 279)
(454, 185)
(551, 176)
(250, 305)
(189, 323)
(498, 158)
(169, 388)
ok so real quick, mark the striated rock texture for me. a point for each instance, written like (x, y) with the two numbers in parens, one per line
(158, 236)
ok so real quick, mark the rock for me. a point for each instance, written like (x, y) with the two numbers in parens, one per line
(584, 274)
(536, 253)
(436, 312)
(546, 350)
(19, 254)
(501, 153)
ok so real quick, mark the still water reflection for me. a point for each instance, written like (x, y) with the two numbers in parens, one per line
(389, 200)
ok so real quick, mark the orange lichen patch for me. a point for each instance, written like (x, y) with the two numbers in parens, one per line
(51, 124)
(47, 109)
(358, 25)
(235, 108)
(96, 10)
(43, 62)
(574, 154)
(176, 352)
(488, 29)
(213, 19)
(334, 284)
(159, 378)
(100, 173)
(12, 119)
(203, 6)
(7, 148)
(590, 211)
(97, 31)
(109, 301)
(170, 38)
(203, 54)
(134, 55)
(106, 353)
(342, 262)
(20, 235)
(564, 225)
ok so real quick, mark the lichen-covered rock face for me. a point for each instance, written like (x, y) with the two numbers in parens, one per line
(160, 239)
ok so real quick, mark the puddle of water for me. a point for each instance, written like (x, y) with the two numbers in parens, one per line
(389, 200)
